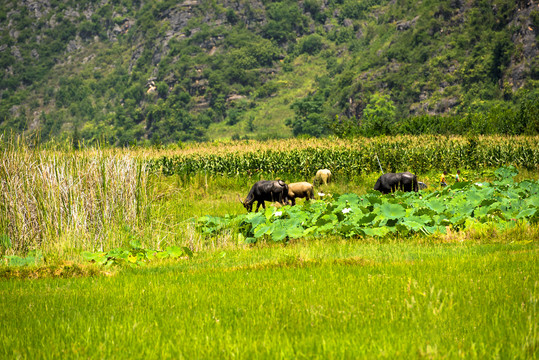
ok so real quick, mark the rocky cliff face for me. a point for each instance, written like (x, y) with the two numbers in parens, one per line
(525, 40)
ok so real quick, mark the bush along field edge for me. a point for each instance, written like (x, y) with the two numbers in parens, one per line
(33, 265)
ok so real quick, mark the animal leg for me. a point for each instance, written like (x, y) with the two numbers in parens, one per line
(283, 199)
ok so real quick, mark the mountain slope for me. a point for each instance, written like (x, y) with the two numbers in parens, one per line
(124, 71)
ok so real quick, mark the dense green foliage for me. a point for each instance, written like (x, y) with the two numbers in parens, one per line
(135, 255)
(125, 71)
(34, 257)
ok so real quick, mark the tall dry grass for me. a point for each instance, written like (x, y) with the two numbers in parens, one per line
(69, 199)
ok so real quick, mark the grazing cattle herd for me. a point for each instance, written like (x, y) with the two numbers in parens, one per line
(286, 194)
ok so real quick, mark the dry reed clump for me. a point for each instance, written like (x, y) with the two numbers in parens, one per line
(44, 196)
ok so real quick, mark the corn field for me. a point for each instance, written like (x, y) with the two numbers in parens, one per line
(359, 156)
(49, 197)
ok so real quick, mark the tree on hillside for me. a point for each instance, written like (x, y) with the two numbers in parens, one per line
(378, 115)
(308, 119)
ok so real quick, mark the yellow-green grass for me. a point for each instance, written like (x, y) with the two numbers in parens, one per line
(324, 299)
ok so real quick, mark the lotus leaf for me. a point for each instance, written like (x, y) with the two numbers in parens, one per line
(262, 230)
(325, 219)
(350, 198)
(392, 211)
(255, 219)
(250, 240)
(436, 229)
(423, 219)
(460, 185)
(437, 205)
(481, 212)
(377, 231)
(532, 200)
(310, 230)
(487, 202)
(526, 213)
(423, 211)
(174, 251)
(363, 219)
(506, 174)
(474, 197)
(295, 232)
(407, 225)
(278, 233)
(327, 226)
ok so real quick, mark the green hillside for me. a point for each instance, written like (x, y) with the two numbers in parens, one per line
(128, 71)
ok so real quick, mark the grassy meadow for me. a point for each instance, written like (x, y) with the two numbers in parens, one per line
(463, 294)
(329, 299)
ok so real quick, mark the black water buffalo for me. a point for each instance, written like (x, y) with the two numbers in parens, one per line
(266, 190)
(396, 181)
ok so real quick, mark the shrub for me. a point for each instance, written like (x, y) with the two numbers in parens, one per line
(311, 44)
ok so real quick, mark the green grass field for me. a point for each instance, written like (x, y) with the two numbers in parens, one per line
(327, 299)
